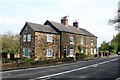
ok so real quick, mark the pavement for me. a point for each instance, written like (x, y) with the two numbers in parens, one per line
(106, 68)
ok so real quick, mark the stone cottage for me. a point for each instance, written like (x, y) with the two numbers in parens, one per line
(55, 40)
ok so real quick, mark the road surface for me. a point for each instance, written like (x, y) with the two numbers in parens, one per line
(97, 69)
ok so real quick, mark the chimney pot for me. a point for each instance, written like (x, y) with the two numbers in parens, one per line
(64, 20)
(75, 24)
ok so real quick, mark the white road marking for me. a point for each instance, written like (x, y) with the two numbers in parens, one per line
(47, 76)
(95, 65)
(41, 67)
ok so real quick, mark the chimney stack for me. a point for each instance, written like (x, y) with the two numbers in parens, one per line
(75, 24)
(64, 20)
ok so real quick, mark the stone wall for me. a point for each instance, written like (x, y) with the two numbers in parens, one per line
(66, 43)
(88, 44)
(77, 42)
(27, 44)
(41, 45)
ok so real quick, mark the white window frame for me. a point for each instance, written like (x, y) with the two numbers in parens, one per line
(95, 51)
(49, 52)
(91, 51)
(49, 38)
(24, 38)
(71, 40)
(28, 37)
(26, 28)
(82, 40)
(82, 50)
(86, 51)
(91, 41)
(71, 52)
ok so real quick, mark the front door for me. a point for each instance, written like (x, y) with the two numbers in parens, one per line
(65, 53)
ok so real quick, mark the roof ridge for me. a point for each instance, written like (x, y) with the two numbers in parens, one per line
(70, 28)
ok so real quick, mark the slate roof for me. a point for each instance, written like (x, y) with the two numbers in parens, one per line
(87, 32)
(41, 28)
(63, 28)
(59, 26)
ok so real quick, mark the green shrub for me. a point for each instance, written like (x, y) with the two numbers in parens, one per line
(80, 56)
(28, 60)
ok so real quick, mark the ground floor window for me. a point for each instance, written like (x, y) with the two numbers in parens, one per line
(71, 52)
(91, 50)
(95, 51)
(49, 52)
(86, 50)
(26, 52)
(82, 50)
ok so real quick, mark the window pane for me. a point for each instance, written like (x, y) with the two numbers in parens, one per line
(49, 38)
(71, 52)
(95, 51)
(91, 41)
(82, 50)
(91, 50)
(82, 40)
(26, 52)
(24, 37)
(71, 40)
(49, 52)
(86, 51)
(29, 37)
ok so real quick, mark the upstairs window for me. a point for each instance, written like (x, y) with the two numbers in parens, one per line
(49, 38)
(24, 38)
(91, 41)
(49, 52)
(71, 40)
(29, 37)
(82, 41)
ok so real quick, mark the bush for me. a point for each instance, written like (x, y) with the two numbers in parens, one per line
(80, 56)
(28, 60)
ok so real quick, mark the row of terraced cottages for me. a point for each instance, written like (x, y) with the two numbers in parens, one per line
(55, 40)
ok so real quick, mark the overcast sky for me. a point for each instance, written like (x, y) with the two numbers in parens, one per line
(92, 15)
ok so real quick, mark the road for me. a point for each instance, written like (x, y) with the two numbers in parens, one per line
(97, 69)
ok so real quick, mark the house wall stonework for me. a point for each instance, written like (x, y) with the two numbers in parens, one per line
(27, 44)
(89, 46)
(65, 42)
(41, 45)
(60, 42)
